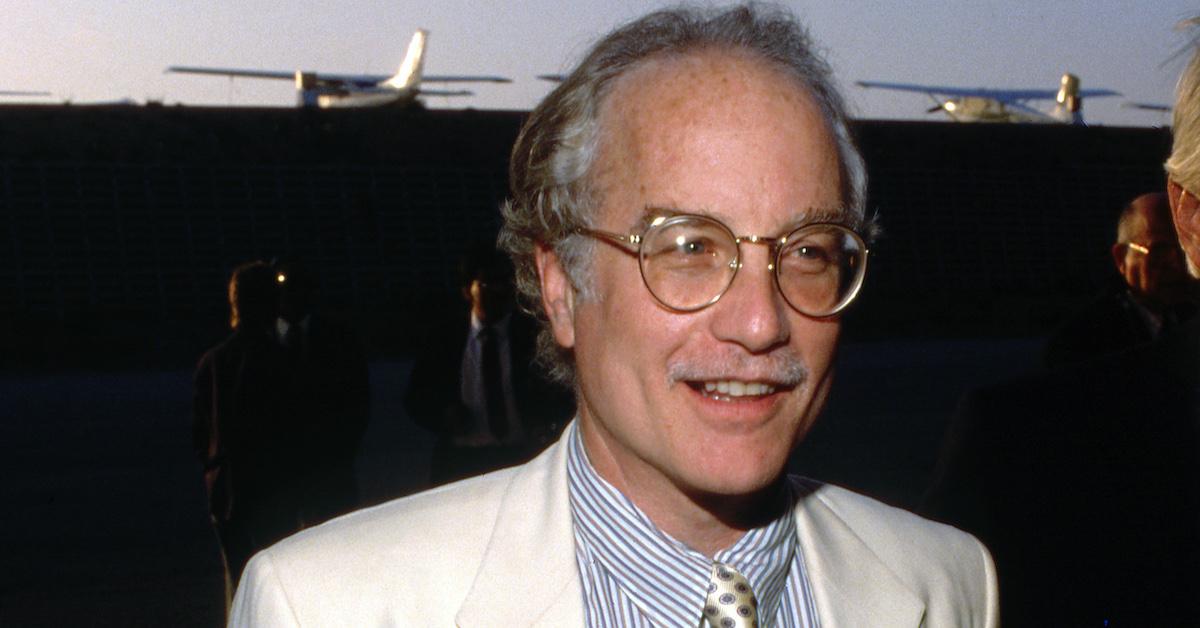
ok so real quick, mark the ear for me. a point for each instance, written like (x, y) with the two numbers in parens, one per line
(558, 295)
(1185, 211)
(1118, 256)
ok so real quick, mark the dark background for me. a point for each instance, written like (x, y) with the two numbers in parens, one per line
(119, 227)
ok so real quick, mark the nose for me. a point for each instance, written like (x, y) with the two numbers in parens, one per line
(752, 312)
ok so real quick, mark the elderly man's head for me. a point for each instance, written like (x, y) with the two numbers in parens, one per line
(684, 380)
(1147, 252)
(553, 167)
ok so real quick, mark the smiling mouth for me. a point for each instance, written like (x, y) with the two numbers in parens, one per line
(733, 390)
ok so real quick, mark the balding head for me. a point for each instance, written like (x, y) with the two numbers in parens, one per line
(1147, 253)
(1146, 213)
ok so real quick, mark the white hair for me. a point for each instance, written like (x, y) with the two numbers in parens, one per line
(551, 163)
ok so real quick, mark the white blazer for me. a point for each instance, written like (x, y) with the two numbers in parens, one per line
(499, 550)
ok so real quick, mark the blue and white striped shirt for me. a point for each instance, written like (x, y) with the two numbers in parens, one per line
(636, 575)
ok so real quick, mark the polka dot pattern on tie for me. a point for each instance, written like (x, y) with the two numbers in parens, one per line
(731, 602)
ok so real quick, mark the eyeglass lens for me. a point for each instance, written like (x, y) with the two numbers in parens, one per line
(688, 262)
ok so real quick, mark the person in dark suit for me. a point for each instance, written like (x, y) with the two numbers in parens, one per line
(1154, 293)
(240, 426)
(474, 384)
(1082, 483)
(327, 395)
(1085, 482)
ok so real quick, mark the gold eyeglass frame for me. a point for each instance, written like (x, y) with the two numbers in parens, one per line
(776, 244)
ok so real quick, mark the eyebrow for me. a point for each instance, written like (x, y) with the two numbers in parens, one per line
(839, 216)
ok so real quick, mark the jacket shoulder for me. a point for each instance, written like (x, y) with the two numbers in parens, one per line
(898, 534)
(949, 570)
(409, 560)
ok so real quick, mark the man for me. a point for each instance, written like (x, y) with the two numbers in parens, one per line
(699, 354)
(1083, 482)
(474, 383)
(327, 396)
(1156, 291)
(237, 422)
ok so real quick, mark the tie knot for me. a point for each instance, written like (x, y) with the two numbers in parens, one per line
(731, 602)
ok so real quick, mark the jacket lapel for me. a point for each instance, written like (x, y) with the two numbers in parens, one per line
(851, 585)
(528, 576)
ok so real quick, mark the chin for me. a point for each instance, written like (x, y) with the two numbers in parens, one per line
(730, 479)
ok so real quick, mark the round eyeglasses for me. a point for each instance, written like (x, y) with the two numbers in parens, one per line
(688, 262)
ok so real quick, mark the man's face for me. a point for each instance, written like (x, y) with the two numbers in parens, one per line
(724, 135)
(1151, 261)
(1185, 213)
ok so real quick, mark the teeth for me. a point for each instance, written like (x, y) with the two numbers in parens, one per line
(734, 388)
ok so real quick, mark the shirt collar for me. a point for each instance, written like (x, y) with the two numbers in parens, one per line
(499, 326)
(662, 576)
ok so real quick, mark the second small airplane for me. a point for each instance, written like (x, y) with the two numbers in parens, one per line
(314, 89)
(1004, 105)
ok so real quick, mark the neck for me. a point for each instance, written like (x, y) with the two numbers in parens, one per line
(717, 521)
(707, 522)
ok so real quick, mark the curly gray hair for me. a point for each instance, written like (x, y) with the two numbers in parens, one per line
(550, 164)
(1184, 163)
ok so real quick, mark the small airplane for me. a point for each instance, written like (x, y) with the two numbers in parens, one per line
(359, 90)
(1004, 105)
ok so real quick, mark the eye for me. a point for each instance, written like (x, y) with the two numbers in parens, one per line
(808, 258)
(814, 253)
(693, 245)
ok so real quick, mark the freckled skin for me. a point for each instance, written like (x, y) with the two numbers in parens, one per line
(724, 134)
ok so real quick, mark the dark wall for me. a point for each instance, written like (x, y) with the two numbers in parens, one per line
(996, 229)
(120, 225)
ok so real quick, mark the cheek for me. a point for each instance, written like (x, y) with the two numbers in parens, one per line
(817, 343)
(817, 340)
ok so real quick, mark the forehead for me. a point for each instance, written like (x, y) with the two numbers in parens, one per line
(1153, 220)
(714, 131)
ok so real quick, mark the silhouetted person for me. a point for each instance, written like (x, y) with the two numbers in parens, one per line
(1155, 290)
(473, 383)
(327, 396)
(249, 473)
(1084, 482)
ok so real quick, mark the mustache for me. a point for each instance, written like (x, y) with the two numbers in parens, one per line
(782, 368)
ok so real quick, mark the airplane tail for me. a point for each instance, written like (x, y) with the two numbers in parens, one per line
(1069, 103)
(409, 74)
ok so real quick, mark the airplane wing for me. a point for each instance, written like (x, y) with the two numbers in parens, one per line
(1146, 106)
(17, 92)
(464, 79)
(370, 80)
(325, 80)
(1001, 95)
(262, 74)
(444, 92)
(356, 80)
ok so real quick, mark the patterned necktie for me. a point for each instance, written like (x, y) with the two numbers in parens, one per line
(730, 603)
(493, 387)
